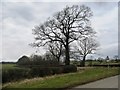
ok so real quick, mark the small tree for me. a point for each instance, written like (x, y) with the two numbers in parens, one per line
(86, 46)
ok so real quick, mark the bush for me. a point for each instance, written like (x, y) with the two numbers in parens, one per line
(14, 74)
(69, 68)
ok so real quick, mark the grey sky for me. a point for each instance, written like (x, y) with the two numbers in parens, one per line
(19, 18)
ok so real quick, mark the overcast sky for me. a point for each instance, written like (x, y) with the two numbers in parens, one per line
(19, 18)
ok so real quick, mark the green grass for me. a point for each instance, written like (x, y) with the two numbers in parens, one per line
(8, 66)
(65, 80)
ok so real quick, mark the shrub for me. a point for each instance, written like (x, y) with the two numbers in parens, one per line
(69, 68)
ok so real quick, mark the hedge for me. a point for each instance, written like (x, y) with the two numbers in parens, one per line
(22, 73)
(14, 74)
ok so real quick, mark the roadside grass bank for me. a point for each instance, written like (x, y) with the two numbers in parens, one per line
(65, 80)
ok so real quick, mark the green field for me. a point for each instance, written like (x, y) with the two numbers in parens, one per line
(8, 66)
(65, 80)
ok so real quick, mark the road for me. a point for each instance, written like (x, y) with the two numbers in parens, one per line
(111, 82)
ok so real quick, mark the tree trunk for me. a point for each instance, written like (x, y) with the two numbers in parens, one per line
(83, 61)
(58, 59)
(67, 56)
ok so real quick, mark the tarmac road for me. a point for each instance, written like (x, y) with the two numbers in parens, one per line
(111, 82)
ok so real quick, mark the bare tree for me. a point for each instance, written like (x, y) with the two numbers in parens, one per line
(65, 27)
(56, 49)
(86, 46)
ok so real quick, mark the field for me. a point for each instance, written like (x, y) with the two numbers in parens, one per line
(9, 66)
(90, 63)
(84, 75)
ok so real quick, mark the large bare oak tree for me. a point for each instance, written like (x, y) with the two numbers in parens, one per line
(65, 27)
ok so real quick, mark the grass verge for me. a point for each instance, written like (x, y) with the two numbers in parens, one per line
(65, 80)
